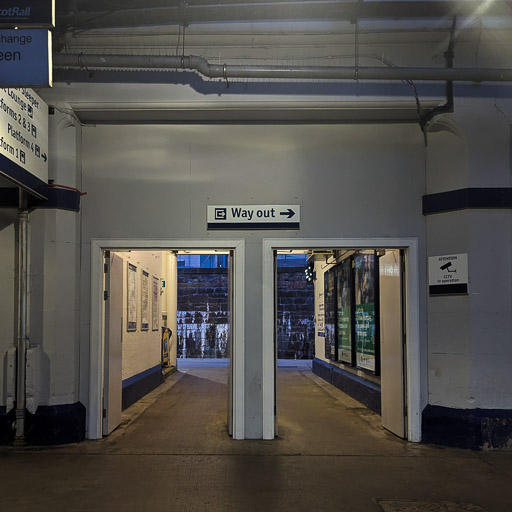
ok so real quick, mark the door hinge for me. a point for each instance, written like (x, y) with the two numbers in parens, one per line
(105, 268)
(105, 295)
(104, 413)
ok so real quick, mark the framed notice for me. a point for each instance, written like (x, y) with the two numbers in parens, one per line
(365, 314)
(330, 314)
(132, 297)
(154, 309)
(344, 298)
(144, 296)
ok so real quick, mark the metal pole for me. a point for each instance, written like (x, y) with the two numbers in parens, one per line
(22, 326)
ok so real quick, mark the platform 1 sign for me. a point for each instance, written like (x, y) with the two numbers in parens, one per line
(27, 13)
(448, 274)
(24, 139)
(254, 216)
(25, 58)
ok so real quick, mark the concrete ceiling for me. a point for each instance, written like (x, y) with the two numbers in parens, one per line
(88, 14)
(324, 32)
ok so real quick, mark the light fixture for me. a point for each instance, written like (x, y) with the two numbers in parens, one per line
(310, 273)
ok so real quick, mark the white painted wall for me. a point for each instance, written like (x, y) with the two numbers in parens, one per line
(350, 180)
(54, 308)
(141, 349)
(155, 182)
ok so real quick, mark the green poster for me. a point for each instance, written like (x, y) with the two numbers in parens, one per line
(365, 310)
(365, 335)
(344, 312)
(344, 334)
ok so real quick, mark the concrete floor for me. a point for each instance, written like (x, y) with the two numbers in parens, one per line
(172, 453)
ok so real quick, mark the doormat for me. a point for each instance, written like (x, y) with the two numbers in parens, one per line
(427, 506)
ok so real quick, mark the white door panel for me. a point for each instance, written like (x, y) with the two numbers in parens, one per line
(391, 343)
(112, 391)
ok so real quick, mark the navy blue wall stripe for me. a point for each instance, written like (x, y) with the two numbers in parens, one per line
(132, 380)
(21, 176)
(254, 225)
(467, 198)
(362, 390)
(447, 289)
(58, 198)
(56, 424)
(472, 429)
(134, 388)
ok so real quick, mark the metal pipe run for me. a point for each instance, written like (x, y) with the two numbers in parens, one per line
(226, 71)
(22, 326)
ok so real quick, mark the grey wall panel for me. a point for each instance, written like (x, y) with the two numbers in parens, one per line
(156, 181)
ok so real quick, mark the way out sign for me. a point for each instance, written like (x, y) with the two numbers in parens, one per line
(448, 274)
(254, 216)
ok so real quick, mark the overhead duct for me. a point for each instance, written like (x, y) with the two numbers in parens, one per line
(227, 71)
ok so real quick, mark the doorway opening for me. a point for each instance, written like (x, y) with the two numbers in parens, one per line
(134, 326)
(365, 307)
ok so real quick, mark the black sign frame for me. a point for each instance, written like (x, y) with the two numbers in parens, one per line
(27, 14)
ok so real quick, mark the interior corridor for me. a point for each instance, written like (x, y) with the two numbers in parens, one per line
(172, 452)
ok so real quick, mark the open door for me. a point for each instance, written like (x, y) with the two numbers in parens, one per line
(276, 351)
(112, 386)
(392, 342)
(230, 345)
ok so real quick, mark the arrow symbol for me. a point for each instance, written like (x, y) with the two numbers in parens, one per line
(44, 157)
(289, 213)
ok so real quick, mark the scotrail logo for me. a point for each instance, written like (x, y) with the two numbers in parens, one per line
(15, 12)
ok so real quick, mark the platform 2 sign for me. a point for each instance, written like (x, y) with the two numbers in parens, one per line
(250, 217)
(448, 274)
(24, 139)
(27, 13)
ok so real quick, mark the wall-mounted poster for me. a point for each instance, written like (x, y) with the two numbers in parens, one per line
(320, 315)
(364, 269)
(330, 314)
(132, 297)
(144, 320)
(154, 309)
(344, 289)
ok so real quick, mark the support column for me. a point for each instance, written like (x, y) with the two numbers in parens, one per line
(470, 397)
(23, 323)
(55, 414)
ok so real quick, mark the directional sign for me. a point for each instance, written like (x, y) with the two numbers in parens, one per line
(254, 216)
(25, 58)
(24, 138)
(27, 13)
(448, 275)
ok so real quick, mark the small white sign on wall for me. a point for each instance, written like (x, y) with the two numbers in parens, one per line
(448, 274)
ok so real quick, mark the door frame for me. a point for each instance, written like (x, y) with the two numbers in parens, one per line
(96, 364)
(412, 318)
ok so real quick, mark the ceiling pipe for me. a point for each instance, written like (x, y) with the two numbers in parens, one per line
(226, 71)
